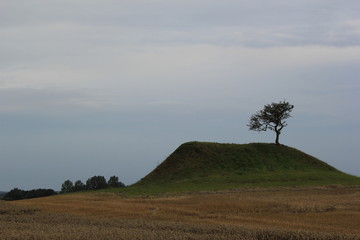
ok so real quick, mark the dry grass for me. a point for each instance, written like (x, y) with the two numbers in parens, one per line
(279, 213)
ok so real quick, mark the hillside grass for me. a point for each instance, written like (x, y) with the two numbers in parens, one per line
(199, 166)
(221, 182)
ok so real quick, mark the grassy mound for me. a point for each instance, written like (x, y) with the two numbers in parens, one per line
(213, 166)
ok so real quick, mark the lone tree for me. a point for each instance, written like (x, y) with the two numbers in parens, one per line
(271, 117)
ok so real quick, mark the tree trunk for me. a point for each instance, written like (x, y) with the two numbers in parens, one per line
(277, 137)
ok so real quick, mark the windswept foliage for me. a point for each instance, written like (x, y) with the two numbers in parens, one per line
(271, 117)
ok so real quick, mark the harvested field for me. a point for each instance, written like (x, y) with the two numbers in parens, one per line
(277, 213)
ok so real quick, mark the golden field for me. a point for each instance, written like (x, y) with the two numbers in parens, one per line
(331, 212)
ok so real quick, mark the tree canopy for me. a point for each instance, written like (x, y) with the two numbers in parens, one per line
(67, 186)
(93, 183)
(115, 183)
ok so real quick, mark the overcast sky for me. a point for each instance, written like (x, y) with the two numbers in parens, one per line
(112, 87)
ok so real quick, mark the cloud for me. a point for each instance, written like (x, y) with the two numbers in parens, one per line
(163, 72)
(246, 23)
(196, 74)
(130, 44)
(354, 25)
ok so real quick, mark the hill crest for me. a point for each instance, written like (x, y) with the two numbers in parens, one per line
(211, 166)
(205, 158)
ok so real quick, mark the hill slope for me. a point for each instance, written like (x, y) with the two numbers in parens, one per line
(211, 166)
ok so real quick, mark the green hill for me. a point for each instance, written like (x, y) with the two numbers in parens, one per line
(214, 166)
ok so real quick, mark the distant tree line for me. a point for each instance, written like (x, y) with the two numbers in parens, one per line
(18, 194)
(93, 183)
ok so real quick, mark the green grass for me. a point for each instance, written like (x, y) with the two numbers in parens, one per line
(197, 166)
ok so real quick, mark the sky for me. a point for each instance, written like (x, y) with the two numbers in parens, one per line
(113, 87)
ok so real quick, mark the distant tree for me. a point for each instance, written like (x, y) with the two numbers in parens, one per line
(93, 183)
(67, 187)
(96, 182)
(271, 117)
(79, 186)
(36, 193)
(2, 194)
(115, 183)
(14, 194)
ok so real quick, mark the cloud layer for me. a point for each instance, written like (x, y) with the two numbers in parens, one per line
(83, 82)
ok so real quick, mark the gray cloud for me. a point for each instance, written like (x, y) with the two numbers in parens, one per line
(247, 23)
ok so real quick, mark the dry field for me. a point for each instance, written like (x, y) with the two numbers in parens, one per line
(277, 213)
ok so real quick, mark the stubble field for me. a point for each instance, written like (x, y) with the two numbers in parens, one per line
(331, 212)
